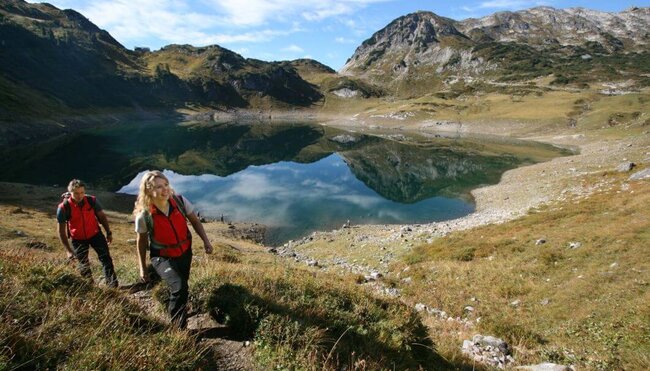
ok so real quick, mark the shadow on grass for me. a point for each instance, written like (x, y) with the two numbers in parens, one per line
(399, 344)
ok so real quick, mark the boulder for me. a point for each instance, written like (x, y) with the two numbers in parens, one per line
(574, 245)
(488, 350)
(624, 167)
(419, 307)
(641, 175)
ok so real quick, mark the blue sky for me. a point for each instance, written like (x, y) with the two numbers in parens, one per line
(271, 30)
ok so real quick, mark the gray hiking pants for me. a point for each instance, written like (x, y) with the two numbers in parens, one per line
(176, 273)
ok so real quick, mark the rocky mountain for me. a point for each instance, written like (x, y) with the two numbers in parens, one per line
(425, 51)
(57, 60)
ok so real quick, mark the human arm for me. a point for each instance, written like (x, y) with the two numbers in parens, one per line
(142, 243)
(198, 227)
(63, 237)
(103, 220)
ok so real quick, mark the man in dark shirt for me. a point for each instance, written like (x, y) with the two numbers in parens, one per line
(78, 218)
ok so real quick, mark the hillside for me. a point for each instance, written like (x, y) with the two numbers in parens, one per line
(58, 61)
(423, 53)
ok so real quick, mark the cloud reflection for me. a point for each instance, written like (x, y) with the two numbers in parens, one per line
(293, 199)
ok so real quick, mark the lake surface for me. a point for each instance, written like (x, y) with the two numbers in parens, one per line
(292, 178)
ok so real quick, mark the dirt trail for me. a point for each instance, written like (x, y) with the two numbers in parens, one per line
(223, 352)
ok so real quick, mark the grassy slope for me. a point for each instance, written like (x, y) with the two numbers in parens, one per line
(297, 318)
(597, 314)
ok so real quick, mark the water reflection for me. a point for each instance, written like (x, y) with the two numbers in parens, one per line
(293, 199)
(294, 178)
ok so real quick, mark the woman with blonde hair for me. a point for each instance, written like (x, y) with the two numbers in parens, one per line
(160, 222)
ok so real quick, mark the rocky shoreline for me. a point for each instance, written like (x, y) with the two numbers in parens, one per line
(519, 191)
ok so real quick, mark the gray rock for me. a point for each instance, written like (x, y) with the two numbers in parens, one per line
(201, 322)
(541, 241)
(20, 233)
(625, 167)
(641, 175)
(392, 292)
(545, 301)
(545, 367)
(515, 303)
(312, 263)
(376, 275)
(489, 350)
(437, 312)
(574, 245)
(493, 342)
(419, 307)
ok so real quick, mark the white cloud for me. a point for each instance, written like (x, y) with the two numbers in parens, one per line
(293, 48)
(257, 12)
(510, 4)
(343, 40)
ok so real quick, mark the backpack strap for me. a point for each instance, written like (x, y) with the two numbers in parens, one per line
(180, 204)
(67, 213)
(92, 200)
(148, 219)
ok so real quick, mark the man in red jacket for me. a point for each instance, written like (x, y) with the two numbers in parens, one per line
(79, 217)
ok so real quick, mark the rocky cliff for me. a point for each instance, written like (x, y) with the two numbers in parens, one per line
(580, 44)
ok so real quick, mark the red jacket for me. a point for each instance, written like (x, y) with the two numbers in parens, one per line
(82, 221)
(171, 236)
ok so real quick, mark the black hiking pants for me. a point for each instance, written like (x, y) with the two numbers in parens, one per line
(98, 242)
(176, 272)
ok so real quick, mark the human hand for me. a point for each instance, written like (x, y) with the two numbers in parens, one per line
(208, 247)
(109, 238)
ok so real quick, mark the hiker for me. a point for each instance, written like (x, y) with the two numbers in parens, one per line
(78, 217)
(161, 224)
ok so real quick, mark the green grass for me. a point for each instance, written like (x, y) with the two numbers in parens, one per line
(584, 306)
(51, 318)
(305, 321)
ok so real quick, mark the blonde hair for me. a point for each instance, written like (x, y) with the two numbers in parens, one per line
(144, 200)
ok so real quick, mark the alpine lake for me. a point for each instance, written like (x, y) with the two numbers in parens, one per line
(292, 178)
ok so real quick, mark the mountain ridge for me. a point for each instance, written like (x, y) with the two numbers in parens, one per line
(423, 48)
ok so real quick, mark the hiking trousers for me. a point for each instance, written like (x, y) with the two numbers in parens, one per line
(98, 242)
(176, 273)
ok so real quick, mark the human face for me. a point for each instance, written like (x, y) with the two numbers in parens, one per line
(161, 190)
(78, 194)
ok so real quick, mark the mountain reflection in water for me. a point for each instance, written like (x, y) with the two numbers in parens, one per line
(293, 199)
(293, 178)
